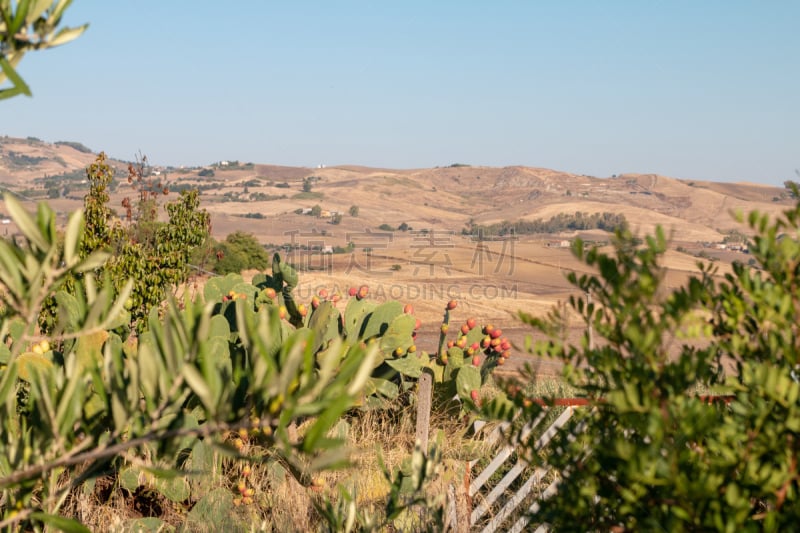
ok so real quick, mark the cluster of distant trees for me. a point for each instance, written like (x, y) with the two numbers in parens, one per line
(75, 145)
(555, 224)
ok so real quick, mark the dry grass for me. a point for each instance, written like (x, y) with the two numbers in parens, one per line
(281, 503)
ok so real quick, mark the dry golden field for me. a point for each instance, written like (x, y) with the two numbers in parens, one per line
(431, 262)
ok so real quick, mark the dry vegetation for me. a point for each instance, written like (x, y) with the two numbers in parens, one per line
(493, 280)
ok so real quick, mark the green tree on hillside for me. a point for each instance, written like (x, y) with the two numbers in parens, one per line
(153, 253)
(240, 251)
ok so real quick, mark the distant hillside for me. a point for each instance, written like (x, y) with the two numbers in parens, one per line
(262, 198)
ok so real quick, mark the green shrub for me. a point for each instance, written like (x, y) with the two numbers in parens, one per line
(650, 453)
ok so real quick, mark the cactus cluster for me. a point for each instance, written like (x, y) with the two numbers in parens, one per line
(464, 362)
(461, 366)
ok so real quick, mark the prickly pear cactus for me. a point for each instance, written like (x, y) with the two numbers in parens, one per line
(461, 366)
(466, 357)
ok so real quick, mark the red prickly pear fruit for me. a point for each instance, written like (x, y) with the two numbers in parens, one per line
(464, 329)
(496, 333)
(462, 342)
(475, 346)
(476, 360)
(315, 302)
(408, 309)
(302, 310)
(323, 293)
(443, 359)
(495, 343)
(352, 291)
(336, 297)
(486, 341)
(506, 354)
(362, 292)
(471, 323)
(270, 292)
(282, 312)
(452, 304)
(487, 329)
(475, 396)
(450, 344)
(417, 324)
(445, 327)
(470, 351)
(501, 361)
(505, 345)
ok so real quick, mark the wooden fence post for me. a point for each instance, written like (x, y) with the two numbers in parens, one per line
(424, 398)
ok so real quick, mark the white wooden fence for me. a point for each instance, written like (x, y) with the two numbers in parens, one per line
(491, 508)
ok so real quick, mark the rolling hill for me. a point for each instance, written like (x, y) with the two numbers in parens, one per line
(432, 261)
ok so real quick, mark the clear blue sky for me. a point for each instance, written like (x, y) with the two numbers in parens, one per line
(691, 89)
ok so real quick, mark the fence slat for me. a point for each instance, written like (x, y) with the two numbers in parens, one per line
(523, 521)
(547, 436)
(508, 508)
(501, 457)
(513, 502)
(491, 440)
(497, 491)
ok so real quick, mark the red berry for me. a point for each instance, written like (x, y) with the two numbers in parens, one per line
(471, 322)
(451, 305)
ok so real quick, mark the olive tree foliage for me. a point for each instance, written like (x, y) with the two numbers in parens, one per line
(79, 399)
(652, 452)
(27, 25)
